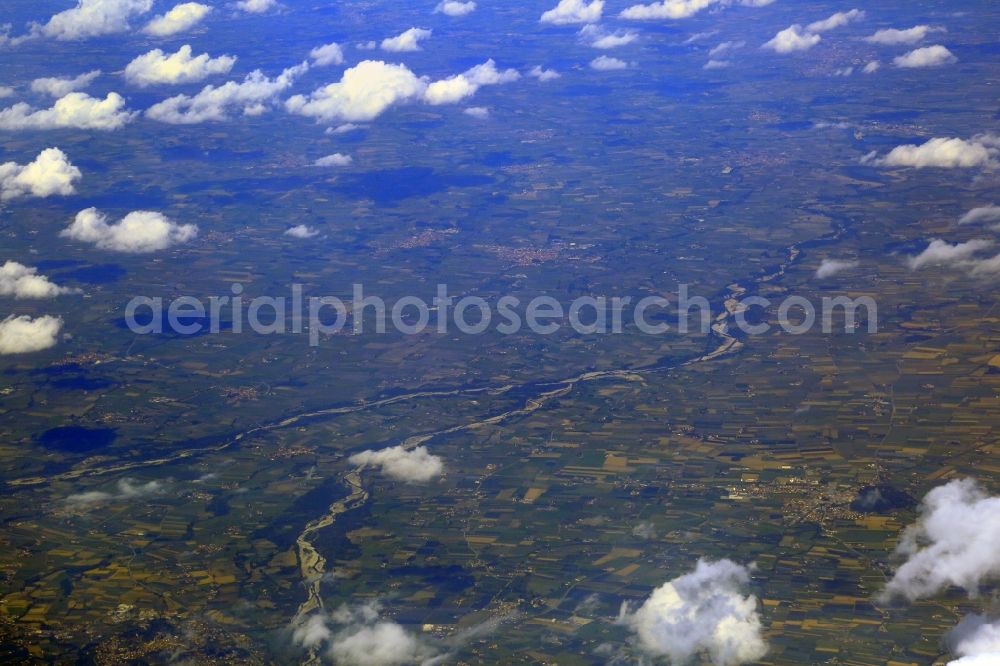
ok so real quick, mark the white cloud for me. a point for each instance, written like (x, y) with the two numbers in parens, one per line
(6, 91)
(23, 335)
(92, 18)
(363, 93)
(988, 659)
(830, 267)
(138, 232)
(955, 542)
(335, 160)
(645, 530)
(479, 112)
(215, 103)
(942, 253)
(454, 8)
(344, 129)
(680, 9)
(894, 36)
(397, 462)
(302, 231)
(574, 11)
(928, 56)
(942, 153)
(597, 37)
(796, 38)
(701, 613)
(380, 644)
(726, 47)
(668, 9)
(182, 17)
(716, 64)
(354, 636)
(985, 267)
(544, 75)
(55, 86)
(977, 640)
(607, 64)
(792, 39)
(257, 6)
(328, 54)
(838, 20)
(22, 281)
(125, 489)
(989, 213)
(51, 173)
(156, 67)
(467, 84)
(407, 41)
(77, 110)
(872, 67)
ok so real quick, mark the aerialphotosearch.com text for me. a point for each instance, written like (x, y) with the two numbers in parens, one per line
(318, 316)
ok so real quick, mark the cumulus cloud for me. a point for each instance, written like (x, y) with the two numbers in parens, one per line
(125, 489)
(75, 110)
(397, 462)
(363, 93)
(872, 67)
(302, 231)
(22, 281)
(24, 335)
(989, 213)
(791, 39)
(92, 18)
(467, 84)
(646, 530)
(716, 64)
(344, 129)
(55, 86)
(988, 659)
(977, 640)
(51, 173)
(668, 9)
(701, 613)
(407, 41)
(954, 542)
(574, 11)
(478, 112)
(454, 8)
(599, 38)
(928, 56)
(679, 9)
(138, 232)
(544, 75)
(838, 20)
(215, 103)
(941, 253)
(355, 636)
(941, 153)
(157, 67)
(256, 6)
(335, 160)
(796, 38)
(328, 54)
(6, 91)
(976, 635)
(725, 47)
(830, 267)
(182, 17)
(607, 64)
(894, 36)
